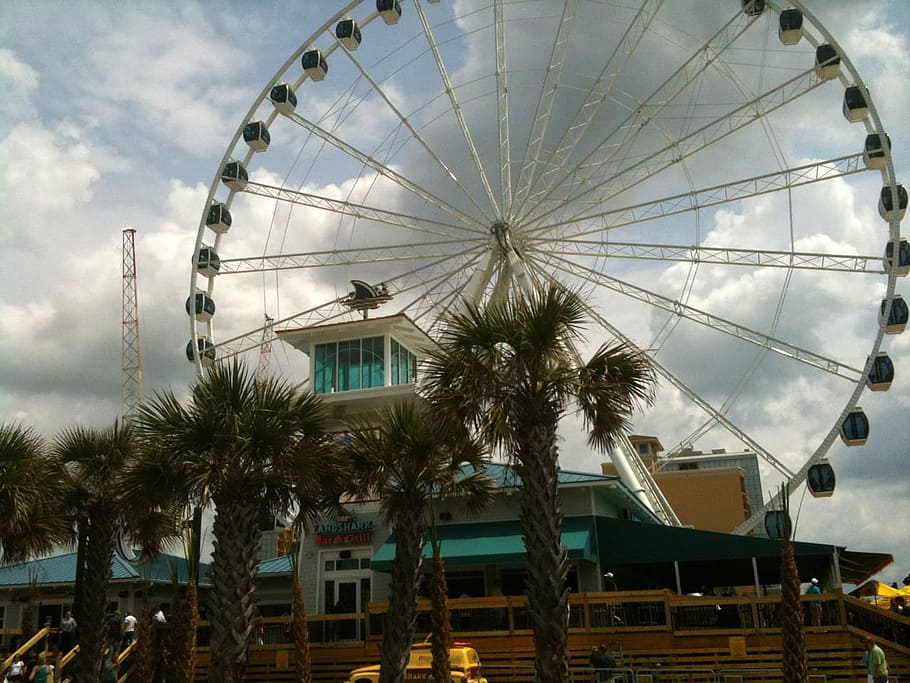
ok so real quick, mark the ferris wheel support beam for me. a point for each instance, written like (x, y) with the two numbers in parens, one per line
(712, 321)
(763, 258)
(456, 109)
(665, 93)
(380, 168)
(545, 105)
(713, 196)
(595, 99)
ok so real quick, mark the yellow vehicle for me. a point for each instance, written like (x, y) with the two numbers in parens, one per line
(465, 665)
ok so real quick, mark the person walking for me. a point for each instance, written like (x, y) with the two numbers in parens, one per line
(877, 666)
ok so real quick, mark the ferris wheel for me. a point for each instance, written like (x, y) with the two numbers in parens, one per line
(714, 176)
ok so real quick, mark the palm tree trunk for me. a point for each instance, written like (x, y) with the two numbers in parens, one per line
(441, 621)
(182, 639)
(235, 530)
(794, 637)
(143, 656)
(398, 631)
(541, 522)
(99, 549)
(301, 633)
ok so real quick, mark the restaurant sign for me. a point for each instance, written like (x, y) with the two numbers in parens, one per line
(344, 533)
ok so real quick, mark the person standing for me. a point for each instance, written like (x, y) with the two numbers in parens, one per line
(815, 606)
(16, 670)
(42, 672)
(158, 616)
(67, 632)
(877, 666)
(129, 630)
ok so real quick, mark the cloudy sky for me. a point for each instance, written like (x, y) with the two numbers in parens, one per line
(119, 115)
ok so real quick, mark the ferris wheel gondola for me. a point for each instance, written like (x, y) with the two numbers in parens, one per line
(648, 156)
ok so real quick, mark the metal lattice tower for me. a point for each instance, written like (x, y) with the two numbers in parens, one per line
(130, 349)
(265, 350)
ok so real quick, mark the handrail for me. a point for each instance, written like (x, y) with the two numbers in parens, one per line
(67, 658)
(28, 645)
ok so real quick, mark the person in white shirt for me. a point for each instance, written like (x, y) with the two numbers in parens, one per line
(158, 616)
(129, 630)
(16, 669)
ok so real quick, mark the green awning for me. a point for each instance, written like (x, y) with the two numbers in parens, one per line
(493, 543)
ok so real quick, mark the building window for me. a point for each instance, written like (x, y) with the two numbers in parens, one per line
(688, 466)
(643, 448)
(404, 365)
(2, 617)
(348, 365)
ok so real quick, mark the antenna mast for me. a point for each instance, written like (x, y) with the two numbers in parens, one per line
(130, 349)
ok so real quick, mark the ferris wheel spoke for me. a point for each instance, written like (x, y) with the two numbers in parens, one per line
(681, 386)
(620, 180)
(456, 109)
(764, 258)
(392, 253)
(502, 110)
(596, 97)
(557, 174)
(419, 224)
(414, 132)
(704, 198)
(709, 320)
(381, 168)
(545, 104)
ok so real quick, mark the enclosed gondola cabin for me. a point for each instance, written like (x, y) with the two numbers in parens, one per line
(208, 263)
(256, 135)
(314, 64)
(886, 208)
(903, 256)
(283, 98)
(855, 429)
(790, 26)
(234, 175)
(874, 150)
(201, 305)
(881, 374)
(821, 480)
(389, 10)
(827, 62)
(897, 317)
(348, 33)
(206, 350)
(753, 8)
(218, 219)
(856, 105)
(777, 524)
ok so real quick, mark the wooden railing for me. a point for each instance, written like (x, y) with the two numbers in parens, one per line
(650, 630)
(26, 646)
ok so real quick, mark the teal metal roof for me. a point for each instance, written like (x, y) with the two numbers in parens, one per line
(505, 476)
(61, 569)
(493, 542)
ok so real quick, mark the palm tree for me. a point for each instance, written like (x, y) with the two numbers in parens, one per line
(96, 459)
(242, 446)
(793, 646)
(511, 372)
(406, 455)
(32, 490)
